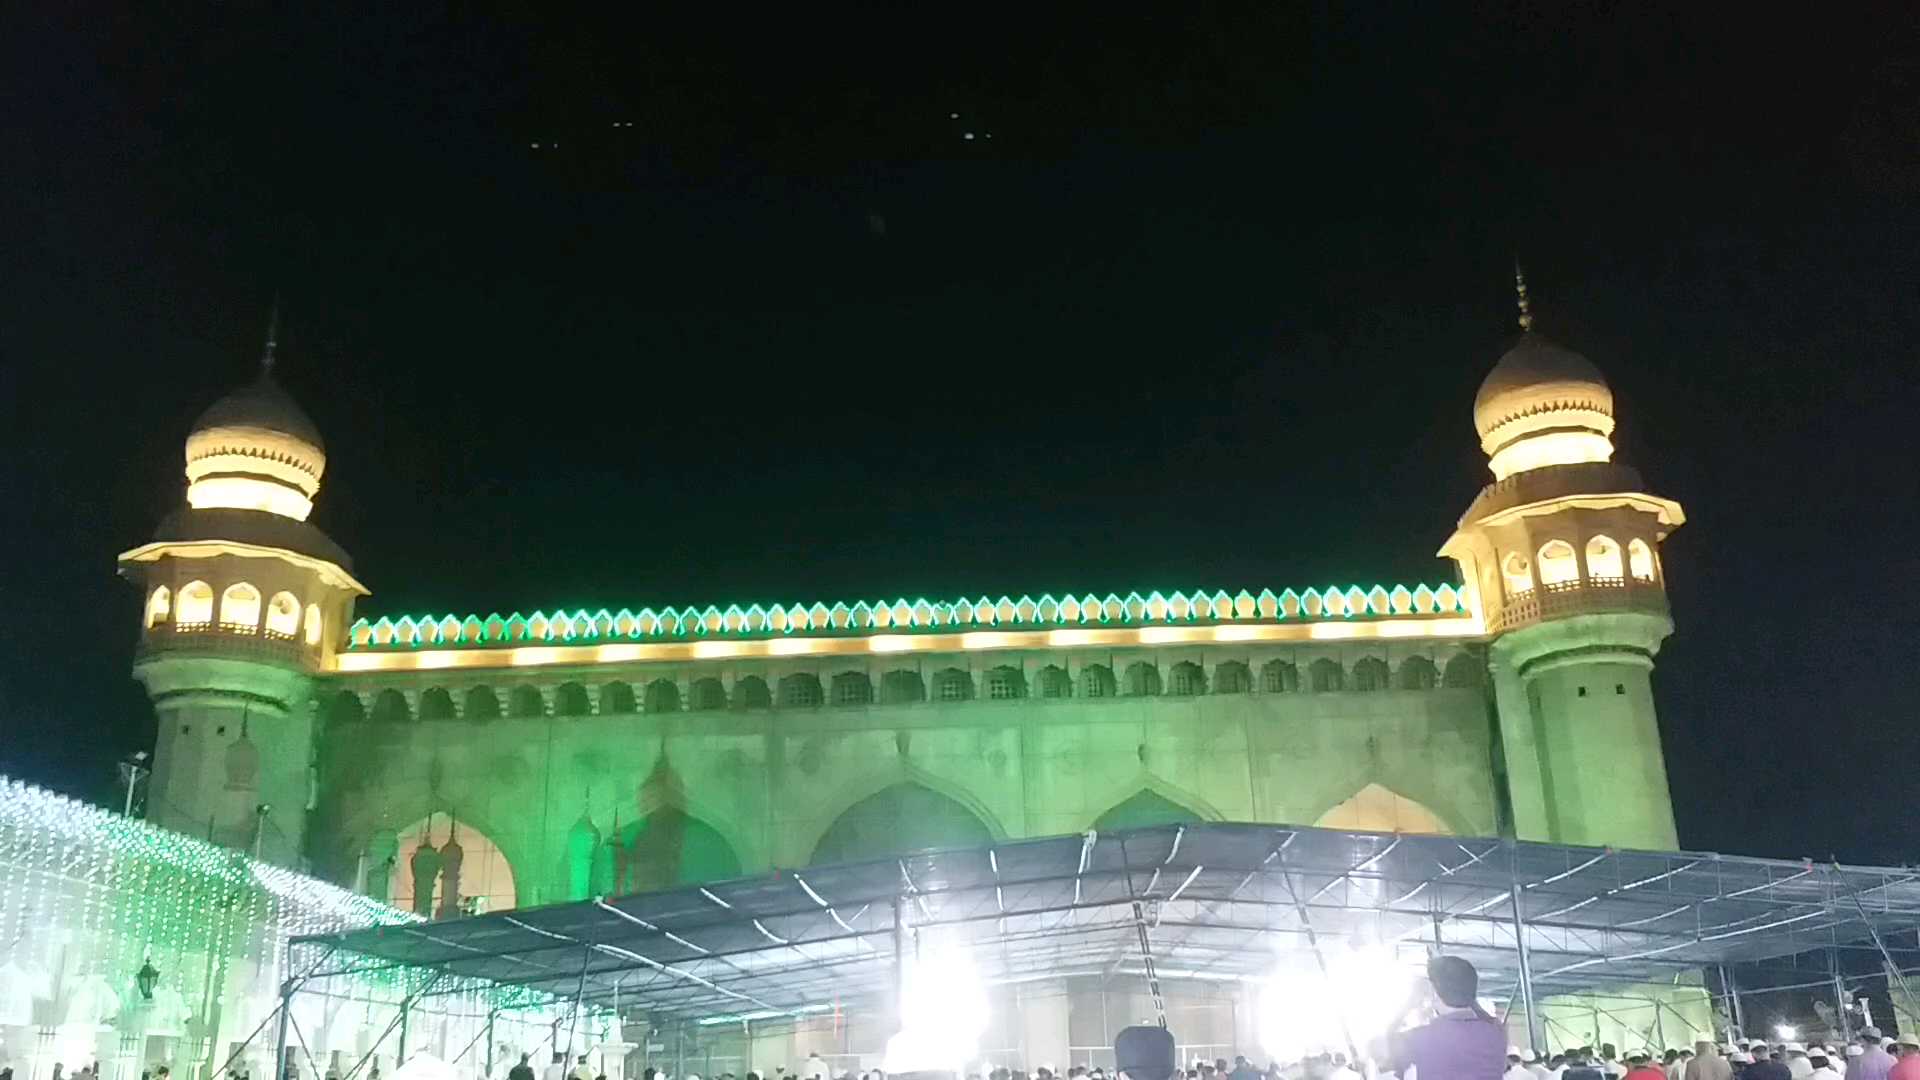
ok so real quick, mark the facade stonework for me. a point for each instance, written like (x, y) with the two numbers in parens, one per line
(448, 762)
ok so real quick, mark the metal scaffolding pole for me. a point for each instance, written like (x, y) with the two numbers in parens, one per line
(1534, 1035)
(899, 956)
(1840, 995)
(280, 1039)
(1732, 989)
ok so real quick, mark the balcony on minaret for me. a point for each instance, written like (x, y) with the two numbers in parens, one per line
(1578, 597)
(236, 624)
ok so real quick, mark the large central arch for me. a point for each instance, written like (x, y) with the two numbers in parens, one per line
(1145, 808)
(899, 818)
(670, 847)
(1375, 808)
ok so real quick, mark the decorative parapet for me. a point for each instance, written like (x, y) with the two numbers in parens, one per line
(239, 640)
(1561, 599)
(1332, 604)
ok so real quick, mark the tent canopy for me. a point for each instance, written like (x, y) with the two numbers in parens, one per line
(1216, 900)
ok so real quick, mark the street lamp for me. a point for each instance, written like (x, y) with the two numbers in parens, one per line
(146, 979)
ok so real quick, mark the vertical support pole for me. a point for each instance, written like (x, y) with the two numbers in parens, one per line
(1732, 988)
(899, 958)
(280, 1039)
(400, 1058)
(491, 1013)
(1534, 1034)
(1894, 975)
(1840, 995)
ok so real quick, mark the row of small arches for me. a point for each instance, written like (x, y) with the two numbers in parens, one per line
(239, 609)
(806, 690)
(1557, 564)
(1332, 602)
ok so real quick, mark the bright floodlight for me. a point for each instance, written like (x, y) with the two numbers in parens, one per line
(1785, 1031)
(1303, 1010)
(943, 1013)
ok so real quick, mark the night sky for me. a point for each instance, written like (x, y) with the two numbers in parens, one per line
(757, 321)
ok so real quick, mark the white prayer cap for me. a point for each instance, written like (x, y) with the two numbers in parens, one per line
(1855, 1049)
(1513, 1051)
(1796, 1048)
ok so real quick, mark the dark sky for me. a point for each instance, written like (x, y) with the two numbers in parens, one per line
(1207, 309)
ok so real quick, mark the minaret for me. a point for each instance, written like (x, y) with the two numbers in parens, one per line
(244, 602)
(1561, 557)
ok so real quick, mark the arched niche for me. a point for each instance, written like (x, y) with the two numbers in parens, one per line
(1379, 809)
(486, 878)
(1143, 809)
(897, 819)
(670, 847)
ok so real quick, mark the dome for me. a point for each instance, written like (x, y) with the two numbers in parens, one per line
(264, 405)
(1543, 404)
(255, 449)
(1537, 375)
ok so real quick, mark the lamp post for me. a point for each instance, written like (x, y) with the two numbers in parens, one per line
(146, 978)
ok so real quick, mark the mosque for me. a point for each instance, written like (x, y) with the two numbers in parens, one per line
(459, 762)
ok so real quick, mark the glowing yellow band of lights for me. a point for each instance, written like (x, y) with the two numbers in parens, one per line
(545, 655)
(330, 573)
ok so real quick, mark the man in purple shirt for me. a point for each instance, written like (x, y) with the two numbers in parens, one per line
(1461, 1042)
(1873, 1063)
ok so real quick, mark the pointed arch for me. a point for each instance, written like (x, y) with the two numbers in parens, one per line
(1055, 682)
(902, 687)
(1463, 671)
(750, 692)
(1557, 563)
(616, 699)
(1143, 809)
(344, 708)
(1279, 677)
(952, 684)
(1186, 679)
(283, 614)
(240, 607)
(525, 702)
(195, 606)
(158, 606)
(390, 707)
(1376, 808)
(1640, 561)
(1143, 679)
(482, 705)
(313, 624)
(901, 817)
(852, 688)
(1417, 673)
(800, 690)
(1005, 683)
(570, 699)
(670, 846)
(436, 704)
(1096, 681)
(1604, 559)
(485, 878)
(1370, 673)
(1326, 675)
(662, 696)
(1232, 677)
(707, 695)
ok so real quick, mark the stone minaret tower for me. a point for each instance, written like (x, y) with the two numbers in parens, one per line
(1561, 554)
(244, 601)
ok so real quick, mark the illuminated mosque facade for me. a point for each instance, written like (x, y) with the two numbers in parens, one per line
(455, 762)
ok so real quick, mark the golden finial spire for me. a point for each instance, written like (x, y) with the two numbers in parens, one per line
(1520, 291)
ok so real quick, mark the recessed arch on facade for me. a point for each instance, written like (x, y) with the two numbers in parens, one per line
(902, 687)
(1279, 677)
(570, 699)
(852, 688)
(616, 699)
(1143, 679)
(436, 704)
(1463, 671)
(1096, 681)
(482, 704)
(1376, 808)
(952, 684)
(1370, 673)
(669, 846)
(240, 606)
(1232, 677)
(390, 707)
(1143, 809)
(524, 702)
(751, 692)
(1417, 673)
(707, 695)
(1005, 683)
(344, 708)
(662, 696)
(899, 818)
(479, 877)
(1326, 675)
(1054, 682)
(801, 690)
(159, 605)
(1186, 679)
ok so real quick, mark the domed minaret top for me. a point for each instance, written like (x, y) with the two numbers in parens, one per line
(1542, 404)
(255, 449)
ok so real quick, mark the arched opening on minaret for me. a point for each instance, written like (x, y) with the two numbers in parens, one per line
(195, 606)
(1557, 563)
(1603, 559)
(1379, 809)
(903, 817)
(1640, 559)
(283, 615)
(480, 878)
(313, 624)
(1517, 572)
(240, 607)
(157, 607)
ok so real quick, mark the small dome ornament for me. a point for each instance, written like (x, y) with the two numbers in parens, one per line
(255, 448)
(1542, 404)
